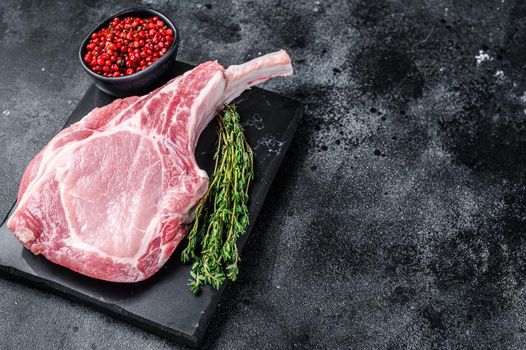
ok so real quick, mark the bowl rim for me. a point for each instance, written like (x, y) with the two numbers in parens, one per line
(143, 72)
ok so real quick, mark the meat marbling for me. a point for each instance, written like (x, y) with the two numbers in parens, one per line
(111, 196)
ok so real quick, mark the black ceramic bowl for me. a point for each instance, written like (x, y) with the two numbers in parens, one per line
(145, 80)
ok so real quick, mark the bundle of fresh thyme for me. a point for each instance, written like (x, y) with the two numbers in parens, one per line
(222, 215)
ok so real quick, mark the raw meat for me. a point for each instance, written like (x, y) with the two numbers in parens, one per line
(111, 196)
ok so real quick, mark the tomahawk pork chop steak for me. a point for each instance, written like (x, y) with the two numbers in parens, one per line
(111, 196)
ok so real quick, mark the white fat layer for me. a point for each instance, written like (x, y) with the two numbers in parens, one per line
(25, 235)
(204, 108)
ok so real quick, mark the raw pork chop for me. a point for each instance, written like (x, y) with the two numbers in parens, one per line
(110, 196)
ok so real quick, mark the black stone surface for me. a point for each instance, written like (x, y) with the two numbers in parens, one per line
(397, 220)
(163, 303)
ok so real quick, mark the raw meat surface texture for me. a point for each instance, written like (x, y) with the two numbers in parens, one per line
(112, 195)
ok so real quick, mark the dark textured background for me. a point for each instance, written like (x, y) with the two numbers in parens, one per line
(398, 217)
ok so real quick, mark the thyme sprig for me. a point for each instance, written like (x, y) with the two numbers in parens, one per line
(222, 215)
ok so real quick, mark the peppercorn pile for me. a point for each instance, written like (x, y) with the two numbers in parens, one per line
(128, 46)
